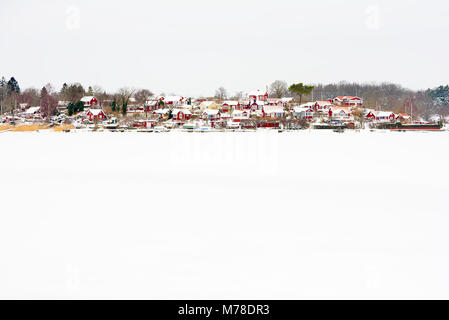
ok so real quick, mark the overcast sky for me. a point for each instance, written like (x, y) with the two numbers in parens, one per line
(193, 47)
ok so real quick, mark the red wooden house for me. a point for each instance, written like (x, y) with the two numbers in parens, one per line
(181, 114)
(95, 114)
(257, 95)
(89, 101)
(349, 101)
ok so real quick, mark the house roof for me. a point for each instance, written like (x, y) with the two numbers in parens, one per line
(301, 109)
(231, 103)
(95, 112)
(162, 111)
(87, 98)
(307, 105)
(339, 109)
(324, 103)
(239, 113)
(185, 111)
(383, 113)
(273, 109)
(348, 98)
(172, 98)
(32, 110)
(211, 112)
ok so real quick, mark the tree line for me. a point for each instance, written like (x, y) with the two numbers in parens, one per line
(379, 96)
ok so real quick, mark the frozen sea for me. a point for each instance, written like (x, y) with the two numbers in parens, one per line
(266, 215)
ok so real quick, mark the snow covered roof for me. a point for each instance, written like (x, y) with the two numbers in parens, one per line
(32, 110)
(324, 103)
(307, 105)
(287, 99)
(172, 99)
(347, 98)
(185, 111)
(162, 111)
(239, 113)
(95, 112)
(273, 109)
(231, 103)
(383, 113)
(211, 112)
(301, 109)
(340, 109)
(87, 98)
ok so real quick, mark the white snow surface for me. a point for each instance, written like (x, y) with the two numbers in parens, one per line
(266, 215)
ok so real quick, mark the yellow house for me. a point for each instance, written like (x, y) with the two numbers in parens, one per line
(209, 105)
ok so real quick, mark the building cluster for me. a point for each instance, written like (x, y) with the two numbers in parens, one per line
(257, 110)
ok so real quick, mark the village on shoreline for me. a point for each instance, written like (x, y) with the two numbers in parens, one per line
(256, 110)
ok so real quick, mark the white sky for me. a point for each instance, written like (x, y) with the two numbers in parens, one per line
(192, 47)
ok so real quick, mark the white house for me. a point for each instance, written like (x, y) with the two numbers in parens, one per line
(210, 114)
(303, 113)
(341, 113)
(384, 116)
(273, 111)
(239, 115)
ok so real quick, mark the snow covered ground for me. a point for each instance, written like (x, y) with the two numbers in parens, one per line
(263, 215)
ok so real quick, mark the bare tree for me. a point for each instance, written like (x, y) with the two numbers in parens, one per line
(49, 103)
(123, 97)
(221, 93)
(238, 95)
(30, 96)
(278, 89)
(142, 97)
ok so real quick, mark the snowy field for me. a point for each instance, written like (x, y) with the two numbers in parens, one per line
(263, 215)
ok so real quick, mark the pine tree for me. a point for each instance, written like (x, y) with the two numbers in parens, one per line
(114, 105)
(13, 86)
(124, 108)
(70, 109)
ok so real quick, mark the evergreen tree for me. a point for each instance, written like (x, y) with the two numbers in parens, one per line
(114, 105)
(124, 108)
(70, 109)
(13, 86)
